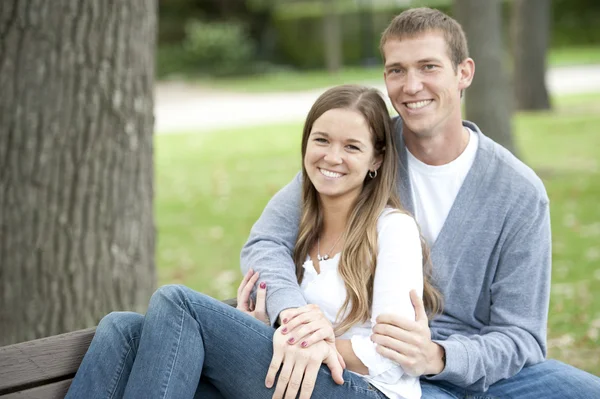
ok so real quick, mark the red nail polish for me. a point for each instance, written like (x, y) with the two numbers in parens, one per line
(263, 285)
(285, 321)
(291, 340)
(304, 344)
(284, 330)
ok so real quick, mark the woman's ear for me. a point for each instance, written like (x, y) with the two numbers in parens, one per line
(377, 161)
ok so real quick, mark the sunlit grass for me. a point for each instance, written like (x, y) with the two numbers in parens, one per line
(293, 80)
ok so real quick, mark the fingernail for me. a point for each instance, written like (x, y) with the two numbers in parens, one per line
(285, 321)
(304, 344)
(263, 285)
(291, 340)
(284, 330)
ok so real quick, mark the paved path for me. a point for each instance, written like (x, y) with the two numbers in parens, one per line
(185, 108)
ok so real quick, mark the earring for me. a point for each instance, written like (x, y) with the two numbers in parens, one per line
(373, 174)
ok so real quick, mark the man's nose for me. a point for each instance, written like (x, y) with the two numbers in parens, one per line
(412, 83)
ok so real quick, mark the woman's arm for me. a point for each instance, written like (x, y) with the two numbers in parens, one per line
(399, 270)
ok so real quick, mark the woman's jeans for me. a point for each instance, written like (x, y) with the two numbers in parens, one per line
(189, 345)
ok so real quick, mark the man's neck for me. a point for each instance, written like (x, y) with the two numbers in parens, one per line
(439, 149)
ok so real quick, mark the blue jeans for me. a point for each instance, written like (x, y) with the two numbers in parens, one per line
(550, 379)
(189, 345)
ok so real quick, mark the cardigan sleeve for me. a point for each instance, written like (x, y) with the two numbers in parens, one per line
(515, 336)
(399, 270)
(269, 250)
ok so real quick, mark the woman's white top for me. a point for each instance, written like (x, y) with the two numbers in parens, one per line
(399, 270)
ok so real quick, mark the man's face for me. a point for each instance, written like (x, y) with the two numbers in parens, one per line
(422, 84)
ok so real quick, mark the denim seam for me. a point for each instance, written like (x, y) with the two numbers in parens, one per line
(122, 369)
(237, 320)
(174, 359)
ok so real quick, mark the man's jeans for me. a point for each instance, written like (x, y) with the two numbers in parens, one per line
(189, 345)
(547, 380)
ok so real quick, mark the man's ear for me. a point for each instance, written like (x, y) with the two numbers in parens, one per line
(466, 72)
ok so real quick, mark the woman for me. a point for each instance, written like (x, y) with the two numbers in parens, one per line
(357, 255)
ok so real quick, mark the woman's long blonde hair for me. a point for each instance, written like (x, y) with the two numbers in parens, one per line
(359, 252)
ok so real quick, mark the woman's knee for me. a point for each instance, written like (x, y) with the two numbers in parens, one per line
(120, 324)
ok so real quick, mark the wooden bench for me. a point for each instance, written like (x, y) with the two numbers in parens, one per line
(44, 368)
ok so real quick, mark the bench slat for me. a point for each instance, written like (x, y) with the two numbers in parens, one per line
(57, 390)
(28, 364)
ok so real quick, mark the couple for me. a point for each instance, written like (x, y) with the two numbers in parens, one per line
(340, 264)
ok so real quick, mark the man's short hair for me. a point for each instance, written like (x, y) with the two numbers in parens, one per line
(416, 21)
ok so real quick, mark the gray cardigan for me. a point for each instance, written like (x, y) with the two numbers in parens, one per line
(491, 261)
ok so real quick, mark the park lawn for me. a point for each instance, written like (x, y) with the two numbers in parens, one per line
(211, 187)
(292, 80)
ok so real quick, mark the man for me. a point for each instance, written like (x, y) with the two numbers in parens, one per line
(485, 217)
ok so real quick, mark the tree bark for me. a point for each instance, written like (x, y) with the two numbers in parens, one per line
(332, 37)
(488, 101)
(531, 24)
(76, 167)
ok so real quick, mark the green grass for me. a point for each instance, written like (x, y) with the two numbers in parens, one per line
(305, 80)
(212, 187)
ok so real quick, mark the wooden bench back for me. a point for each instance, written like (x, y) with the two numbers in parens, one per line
(44, 368)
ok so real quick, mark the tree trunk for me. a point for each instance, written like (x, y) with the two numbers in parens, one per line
(332, 37)
(488, 100)
(76, 167)
(531, 24)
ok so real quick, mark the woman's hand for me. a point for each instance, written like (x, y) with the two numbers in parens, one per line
(257, 310)
(306, 326)
(300, 366)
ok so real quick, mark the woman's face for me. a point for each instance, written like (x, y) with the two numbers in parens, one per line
(340, 153)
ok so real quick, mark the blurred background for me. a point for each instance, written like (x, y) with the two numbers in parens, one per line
(140, 140)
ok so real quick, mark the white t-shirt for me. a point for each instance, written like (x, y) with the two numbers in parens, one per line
(434, 188)
(399, 270)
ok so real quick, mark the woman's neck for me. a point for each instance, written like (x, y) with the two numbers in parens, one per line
(336, 212)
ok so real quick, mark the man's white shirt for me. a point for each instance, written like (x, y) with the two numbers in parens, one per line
(434, 188)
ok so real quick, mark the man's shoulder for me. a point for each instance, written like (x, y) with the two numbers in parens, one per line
(509, 172)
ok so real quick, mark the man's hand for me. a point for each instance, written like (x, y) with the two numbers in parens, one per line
(300, 367)
(244, 302)
(408, 342)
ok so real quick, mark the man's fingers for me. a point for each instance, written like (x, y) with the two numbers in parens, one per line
(394, 344)
(417, 302)
(336, 369)
(310, 379)
(293, 385)
(274, 367)
(283, 380)
(392, 322)
(391, 354)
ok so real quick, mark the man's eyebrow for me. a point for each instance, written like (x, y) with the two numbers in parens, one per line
(429, 60)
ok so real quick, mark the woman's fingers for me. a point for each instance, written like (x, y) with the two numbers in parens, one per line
(243, 298)
(260, 309)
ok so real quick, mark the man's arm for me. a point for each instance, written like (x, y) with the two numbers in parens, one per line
(269, 249)
(516, 335)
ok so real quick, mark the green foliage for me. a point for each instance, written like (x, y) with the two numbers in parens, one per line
(219, 48)
(211, 188)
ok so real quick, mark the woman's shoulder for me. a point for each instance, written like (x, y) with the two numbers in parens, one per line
(395, 218)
